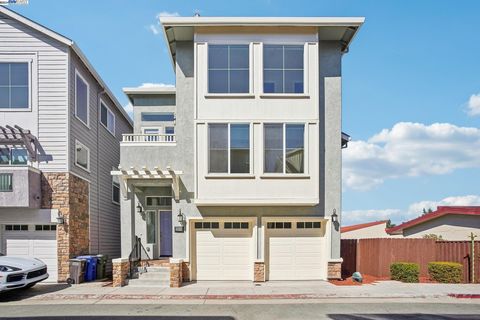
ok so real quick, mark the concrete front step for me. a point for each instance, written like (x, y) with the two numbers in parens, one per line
(148, 283)
(154, 276)
(158, 270)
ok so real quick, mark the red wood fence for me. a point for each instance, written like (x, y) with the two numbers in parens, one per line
(374, 256)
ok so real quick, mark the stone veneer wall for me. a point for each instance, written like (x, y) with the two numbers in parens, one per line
(70, 195)
(334, 270)
(186, 271)
(259, 271)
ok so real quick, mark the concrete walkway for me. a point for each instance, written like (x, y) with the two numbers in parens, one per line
(103, 292)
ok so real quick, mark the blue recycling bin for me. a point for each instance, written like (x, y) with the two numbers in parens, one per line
(90, 267)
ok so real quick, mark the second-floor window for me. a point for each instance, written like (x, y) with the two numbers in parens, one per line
(229, 148)
(283, 69)
(228, 69)
(284, 148)
(158, 116)
(82, 156)
(107, 118)
(6, 184)
(81, 98)
(14, 156)
(14, 85)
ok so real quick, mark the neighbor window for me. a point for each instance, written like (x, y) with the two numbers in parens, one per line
(81, 98)
(157, 116)
(14, 85)
(229, 148)
(284, 148)
(107, 118)
(14, 156)
(115, 192)
(6, 182)
(282, 69)
(82, 156)
(228, 69)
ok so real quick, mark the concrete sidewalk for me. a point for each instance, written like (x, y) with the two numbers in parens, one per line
(103, 292)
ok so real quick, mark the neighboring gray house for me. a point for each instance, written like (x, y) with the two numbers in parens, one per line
(60, 128)
(236, 173)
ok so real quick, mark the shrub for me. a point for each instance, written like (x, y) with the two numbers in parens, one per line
(404, 271)
(445, 272)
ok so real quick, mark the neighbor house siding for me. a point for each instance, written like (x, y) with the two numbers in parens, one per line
(47, 118)
(449, 227)
(104, 155)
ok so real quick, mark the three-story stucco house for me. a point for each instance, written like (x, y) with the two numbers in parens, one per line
(236, 172)
(60, 132)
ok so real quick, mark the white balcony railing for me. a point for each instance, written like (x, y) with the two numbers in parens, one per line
(149, 138)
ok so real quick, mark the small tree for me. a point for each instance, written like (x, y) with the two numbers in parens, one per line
(390, 224)
(433, 237)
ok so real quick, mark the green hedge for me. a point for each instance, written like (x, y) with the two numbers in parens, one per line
(445, 272)
(404, 271)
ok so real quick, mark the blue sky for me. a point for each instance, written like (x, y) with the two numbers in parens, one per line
(413, 71)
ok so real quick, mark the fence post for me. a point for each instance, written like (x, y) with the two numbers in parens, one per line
(472, 254)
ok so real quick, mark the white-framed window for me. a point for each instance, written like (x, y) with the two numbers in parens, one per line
(228, 68)
(283, 68)
(82, 156)
(13, 156)
(158, 201)
(15, 85)
(158, 116)
(107, 117)
(229, 148)
(115, 189)
(82, 98)
(6, 182)
(151, 221)
(284, 147)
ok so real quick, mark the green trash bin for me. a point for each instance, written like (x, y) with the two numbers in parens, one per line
(101, 265)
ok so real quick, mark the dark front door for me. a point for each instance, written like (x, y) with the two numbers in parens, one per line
(165, 233)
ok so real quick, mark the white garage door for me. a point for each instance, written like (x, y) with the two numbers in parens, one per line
(35, 244)
(296, 250)
(224, 250)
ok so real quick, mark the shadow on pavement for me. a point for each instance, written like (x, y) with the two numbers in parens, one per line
(404, 316)
(39, 289)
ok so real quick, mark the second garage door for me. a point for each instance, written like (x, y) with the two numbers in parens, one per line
(296, 250)
(224, 250)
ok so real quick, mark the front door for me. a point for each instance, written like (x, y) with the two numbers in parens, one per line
(165, 233)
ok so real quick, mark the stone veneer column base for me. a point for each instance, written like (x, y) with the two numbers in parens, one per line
(335, 269)
(186, 271)
(259, 271)
(176, 273)
(120, 271)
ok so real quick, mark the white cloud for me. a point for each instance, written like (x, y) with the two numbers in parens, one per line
(414, 210)
(473, 105)
(156, 85)
(129, 109)
(410, 150)
(167, 14)
(154, 29)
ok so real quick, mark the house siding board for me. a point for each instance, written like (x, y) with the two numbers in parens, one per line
(104, 155)
(50, 108)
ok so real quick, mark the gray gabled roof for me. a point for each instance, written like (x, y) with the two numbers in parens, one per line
(70, 43)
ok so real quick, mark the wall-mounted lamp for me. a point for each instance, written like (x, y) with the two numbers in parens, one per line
(334, 216)
(180, 217)
(60, 219)
(139, 208)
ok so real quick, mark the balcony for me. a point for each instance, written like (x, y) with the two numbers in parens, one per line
(148, 139)
(20, 187)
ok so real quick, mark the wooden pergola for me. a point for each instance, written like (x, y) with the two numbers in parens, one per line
(14, 136)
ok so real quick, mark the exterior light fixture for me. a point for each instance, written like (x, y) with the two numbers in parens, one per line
(139, 208)
(60, 219)
(334, 216)
(180, 217)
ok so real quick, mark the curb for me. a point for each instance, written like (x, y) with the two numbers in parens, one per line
(464, 296)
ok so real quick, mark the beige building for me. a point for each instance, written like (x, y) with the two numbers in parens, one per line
(369, 230)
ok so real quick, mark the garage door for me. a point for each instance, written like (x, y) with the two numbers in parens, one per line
(41, 244)
(296, 250)
(224, 250)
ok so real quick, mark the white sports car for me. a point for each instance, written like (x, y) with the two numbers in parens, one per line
(17, 272)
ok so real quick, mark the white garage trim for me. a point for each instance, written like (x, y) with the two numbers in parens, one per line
(294, 253)
(222, 253)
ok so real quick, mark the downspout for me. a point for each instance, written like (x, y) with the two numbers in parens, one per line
(99, 110)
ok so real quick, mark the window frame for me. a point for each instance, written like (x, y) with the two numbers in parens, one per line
(284, 140)
(250, 150)
(109, 110)
(30, 65)
(77, 73)
(7, 174)
(78, 143)
(115, 185)
(10, 157)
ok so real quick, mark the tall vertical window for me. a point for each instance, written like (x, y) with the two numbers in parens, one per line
(283, 69)
(228, 69)
(6, 182)
(115, 189)
(107, 118)
(14, 85)
(81, 98)
(284, 148)
(151, 226)
(229, 148)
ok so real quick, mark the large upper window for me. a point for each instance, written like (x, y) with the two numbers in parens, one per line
(229, 148)
(81, 98)
(228, 69)
(82, 156)
(158, 116)
(14, 85)
(282, 69)
(284, 148)
(107, 118)
(14, 156)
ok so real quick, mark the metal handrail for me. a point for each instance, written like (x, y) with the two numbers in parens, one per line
(135, 256)
(142, 137)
